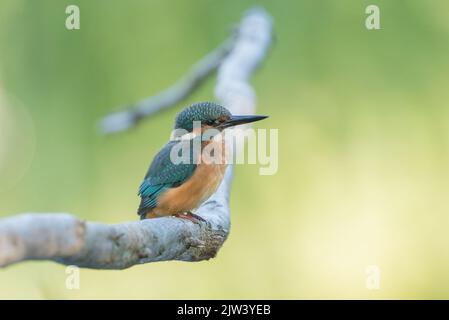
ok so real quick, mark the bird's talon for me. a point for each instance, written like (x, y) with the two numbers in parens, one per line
(196, 216)
(191, 217)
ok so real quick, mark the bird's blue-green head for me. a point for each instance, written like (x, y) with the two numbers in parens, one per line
(210, 115)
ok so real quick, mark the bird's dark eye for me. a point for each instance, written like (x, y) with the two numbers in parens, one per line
(212, 122)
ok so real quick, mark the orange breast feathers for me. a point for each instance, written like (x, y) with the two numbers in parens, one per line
(203, 183)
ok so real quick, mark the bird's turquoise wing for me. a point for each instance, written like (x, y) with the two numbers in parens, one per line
(162, 175)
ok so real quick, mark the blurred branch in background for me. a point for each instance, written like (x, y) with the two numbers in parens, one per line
(66, 239)
(127, 119)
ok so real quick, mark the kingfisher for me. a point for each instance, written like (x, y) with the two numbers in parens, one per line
(172, 188)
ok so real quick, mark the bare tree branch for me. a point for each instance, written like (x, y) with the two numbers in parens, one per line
(65, 239)
(126, 119)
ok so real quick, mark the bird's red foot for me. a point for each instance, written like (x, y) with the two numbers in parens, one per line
(190, 216)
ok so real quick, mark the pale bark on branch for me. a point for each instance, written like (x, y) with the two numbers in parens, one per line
(68, 240)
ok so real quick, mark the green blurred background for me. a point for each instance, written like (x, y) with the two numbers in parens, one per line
(363, 153)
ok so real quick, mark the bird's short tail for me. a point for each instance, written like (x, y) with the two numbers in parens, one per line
(142, 211)
(145, 213)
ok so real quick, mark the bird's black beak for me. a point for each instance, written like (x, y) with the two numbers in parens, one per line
(236, 120)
